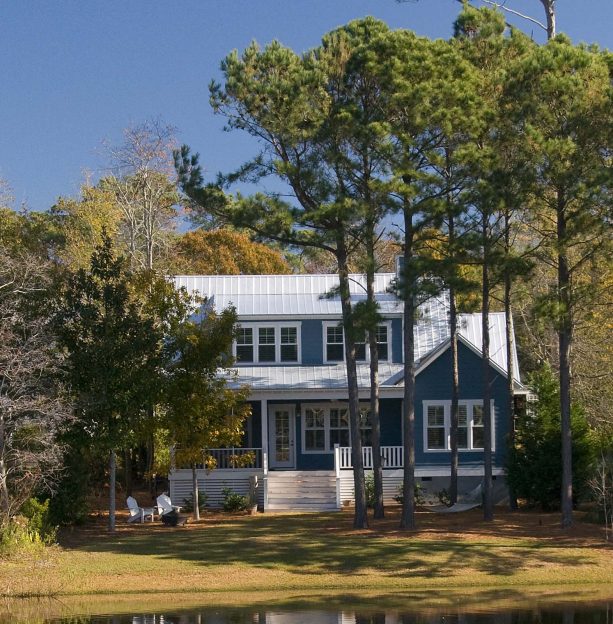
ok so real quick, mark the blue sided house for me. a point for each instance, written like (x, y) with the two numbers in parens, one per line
(290, 351)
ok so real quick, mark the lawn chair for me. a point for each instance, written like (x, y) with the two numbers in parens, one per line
(164, 505)
(137, 512)
(168, 512)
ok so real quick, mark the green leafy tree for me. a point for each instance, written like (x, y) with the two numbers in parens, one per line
(535, 464)
(113, 353)
(202, 410)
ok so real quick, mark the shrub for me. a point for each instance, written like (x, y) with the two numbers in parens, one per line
(419, 497)
(534, 467)
(38, 519)
(233, 501)
(369, 485)
(188, 503)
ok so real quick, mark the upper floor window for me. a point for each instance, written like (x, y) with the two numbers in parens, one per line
(267, 343)
(334, 347)
(437, 425)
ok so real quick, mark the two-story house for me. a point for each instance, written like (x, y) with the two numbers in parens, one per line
(290, 351)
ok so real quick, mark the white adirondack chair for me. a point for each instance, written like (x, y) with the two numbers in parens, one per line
(164, 505)
(138, 513)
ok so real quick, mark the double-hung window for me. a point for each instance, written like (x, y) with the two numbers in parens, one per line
(437, 425)
(324, 426)
(334, 346)
(268, 343)
(244, 344)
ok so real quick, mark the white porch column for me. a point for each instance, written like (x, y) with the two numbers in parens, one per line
(337, 474)
(264, 408)
(264, 427)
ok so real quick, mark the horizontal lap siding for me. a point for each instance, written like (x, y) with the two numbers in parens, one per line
(212, 485)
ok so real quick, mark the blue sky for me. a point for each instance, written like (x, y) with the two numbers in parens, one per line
(75, 73)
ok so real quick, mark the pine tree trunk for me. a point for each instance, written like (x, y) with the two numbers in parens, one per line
(488, 503)
(510, 335)
(377, 468)
(407, 520)
(195, 493)
(112, 479)
(360, 519)
(455, 396)
(564, 344)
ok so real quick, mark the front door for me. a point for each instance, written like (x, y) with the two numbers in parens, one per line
(281, 428)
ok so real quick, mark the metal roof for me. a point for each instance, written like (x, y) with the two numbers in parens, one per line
(326, 377)
(298, 296)
(295, 296)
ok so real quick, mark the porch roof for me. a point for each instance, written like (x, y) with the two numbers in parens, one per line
(326, 377)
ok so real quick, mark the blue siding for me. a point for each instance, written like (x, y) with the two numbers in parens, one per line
(397, 340)
(391, 422)
(312, 342)
(435, 383)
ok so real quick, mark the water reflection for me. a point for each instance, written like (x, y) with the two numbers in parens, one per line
(600, 613)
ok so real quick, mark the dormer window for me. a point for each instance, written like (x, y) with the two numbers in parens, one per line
(267, 343)
(334, 347)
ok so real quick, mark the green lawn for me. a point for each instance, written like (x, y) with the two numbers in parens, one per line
(316, 553)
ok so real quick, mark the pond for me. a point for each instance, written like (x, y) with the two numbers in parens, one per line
(510, 606)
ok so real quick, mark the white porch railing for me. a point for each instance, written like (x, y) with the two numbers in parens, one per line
(236, 458)
(391, 457)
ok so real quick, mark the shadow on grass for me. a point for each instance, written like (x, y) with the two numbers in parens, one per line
(313, 544)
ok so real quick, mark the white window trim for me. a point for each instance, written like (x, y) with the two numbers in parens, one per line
(447, 406)
(326, 324)
(277, 327)
(326, 407)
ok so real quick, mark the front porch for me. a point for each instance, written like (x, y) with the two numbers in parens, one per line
(310, 490)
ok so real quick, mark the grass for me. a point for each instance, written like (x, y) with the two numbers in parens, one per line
(315, 553)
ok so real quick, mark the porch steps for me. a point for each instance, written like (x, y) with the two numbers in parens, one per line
(301, 490)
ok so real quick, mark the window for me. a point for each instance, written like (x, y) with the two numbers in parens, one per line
(325, 425)
(289, 344)
(268, 343)
(437, 425)
(382, 343)
(334, 350)
(366, 426)
(339, 426)
(334, 344)
(477, 427)
(244, 345)
(314, 429)
(463, 426)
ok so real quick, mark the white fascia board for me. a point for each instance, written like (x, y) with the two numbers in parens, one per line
(446, 344)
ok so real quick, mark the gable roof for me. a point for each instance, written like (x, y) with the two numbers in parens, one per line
(300, 296)
(296, 296)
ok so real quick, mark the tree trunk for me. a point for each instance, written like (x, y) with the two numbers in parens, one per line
(510, 335)
(455, 396)
(377, 468)
(550, 14)
(4, 492)
(112, 478)
(564, 345)
(195, 493)
(127, 467)
(488, 504)
(407, 520)
(360, 519)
